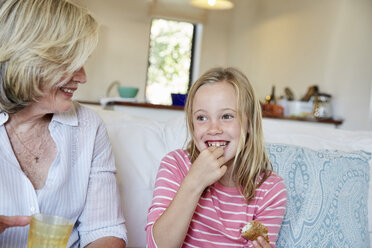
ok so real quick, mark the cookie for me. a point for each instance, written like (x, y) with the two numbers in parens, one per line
(253, 230)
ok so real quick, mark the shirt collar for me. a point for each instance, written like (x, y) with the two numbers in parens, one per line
(3, 118)
(67, 118)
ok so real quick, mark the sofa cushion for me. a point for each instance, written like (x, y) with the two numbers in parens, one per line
(320, 137)
(327, 196)
(175, 134)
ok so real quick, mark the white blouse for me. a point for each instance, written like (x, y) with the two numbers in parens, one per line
(81, 183)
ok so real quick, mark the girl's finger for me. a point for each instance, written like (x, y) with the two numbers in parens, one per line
(221, 161)
(256, 244)
(263, 242)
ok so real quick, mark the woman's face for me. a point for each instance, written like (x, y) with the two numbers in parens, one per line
(58, 98)
(215, 118)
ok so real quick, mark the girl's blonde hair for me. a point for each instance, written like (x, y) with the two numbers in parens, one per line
(41, 42)
(251, 165)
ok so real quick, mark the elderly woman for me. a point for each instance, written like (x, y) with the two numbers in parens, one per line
(55, 154)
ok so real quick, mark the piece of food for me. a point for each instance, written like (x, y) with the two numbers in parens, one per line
(253, 230)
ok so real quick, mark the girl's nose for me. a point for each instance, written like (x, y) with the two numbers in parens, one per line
(80, 76)
(214, 128)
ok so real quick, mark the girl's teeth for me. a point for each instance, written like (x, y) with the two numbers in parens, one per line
(217, 144)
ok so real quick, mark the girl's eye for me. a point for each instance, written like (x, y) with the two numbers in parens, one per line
(201, 118)
(227, 116)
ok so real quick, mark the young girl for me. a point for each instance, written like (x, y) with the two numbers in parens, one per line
(205, 195)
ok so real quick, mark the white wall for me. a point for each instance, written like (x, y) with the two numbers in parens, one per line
(295, 43)
(122, 49)
(299, 43)
(122, 52)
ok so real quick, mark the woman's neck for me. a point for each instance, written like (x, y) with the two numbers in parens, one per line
(28, 119)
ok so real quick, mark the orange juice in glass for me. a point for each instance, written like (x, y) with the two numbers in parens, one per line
(49, 231)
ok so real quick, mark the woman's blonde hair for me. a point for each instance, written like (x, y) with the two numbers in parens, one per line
(41, 41)
(251, 165)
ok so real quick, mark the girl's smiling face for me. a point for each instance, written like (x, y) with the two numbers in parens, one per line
(215, 118)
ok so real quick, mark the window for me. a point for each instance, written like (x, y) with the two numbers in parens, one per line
(170, 66)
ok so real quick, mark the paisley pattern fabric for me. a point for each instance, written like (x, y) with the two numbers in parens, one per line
(327, 196)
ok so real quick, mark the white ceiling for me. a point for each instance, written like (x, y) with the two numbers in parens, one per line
(173, 2)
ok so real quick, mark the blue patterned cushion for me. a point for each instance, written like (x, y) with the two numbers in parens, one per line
(327, 196)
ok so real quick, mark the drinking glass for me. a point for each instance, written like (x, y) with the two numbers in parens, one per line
(48, 231)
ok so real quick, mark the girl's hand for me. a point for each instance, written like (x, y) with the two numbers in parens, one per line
(261, 243)
(208, 167)
(12, 221)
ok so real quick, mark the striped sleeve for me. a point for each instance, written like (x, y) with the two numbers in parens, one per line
(102, 215)
(271, 200)
(172, 171)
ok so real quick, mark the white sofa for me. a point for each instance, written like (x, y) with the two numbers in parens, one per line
(327, 188)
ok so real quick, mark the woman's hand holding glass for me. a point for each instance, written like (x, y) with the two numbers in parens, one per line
(12, 221)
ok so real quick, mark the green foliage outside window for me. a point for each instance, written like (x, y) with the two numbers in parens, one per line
(169, 60)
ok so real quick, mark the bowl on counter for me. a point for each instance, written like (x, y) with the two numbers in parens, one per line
(127, 91)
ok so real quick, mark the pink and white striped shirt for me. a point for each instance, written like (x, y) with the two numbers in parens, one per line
(222, 211)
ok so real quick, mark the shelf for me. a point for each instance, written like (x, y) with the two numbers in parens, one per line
(335, 122)
(317, 120)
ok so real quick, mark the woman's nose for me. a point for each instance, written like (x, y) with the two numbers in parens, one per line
(80, 76)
